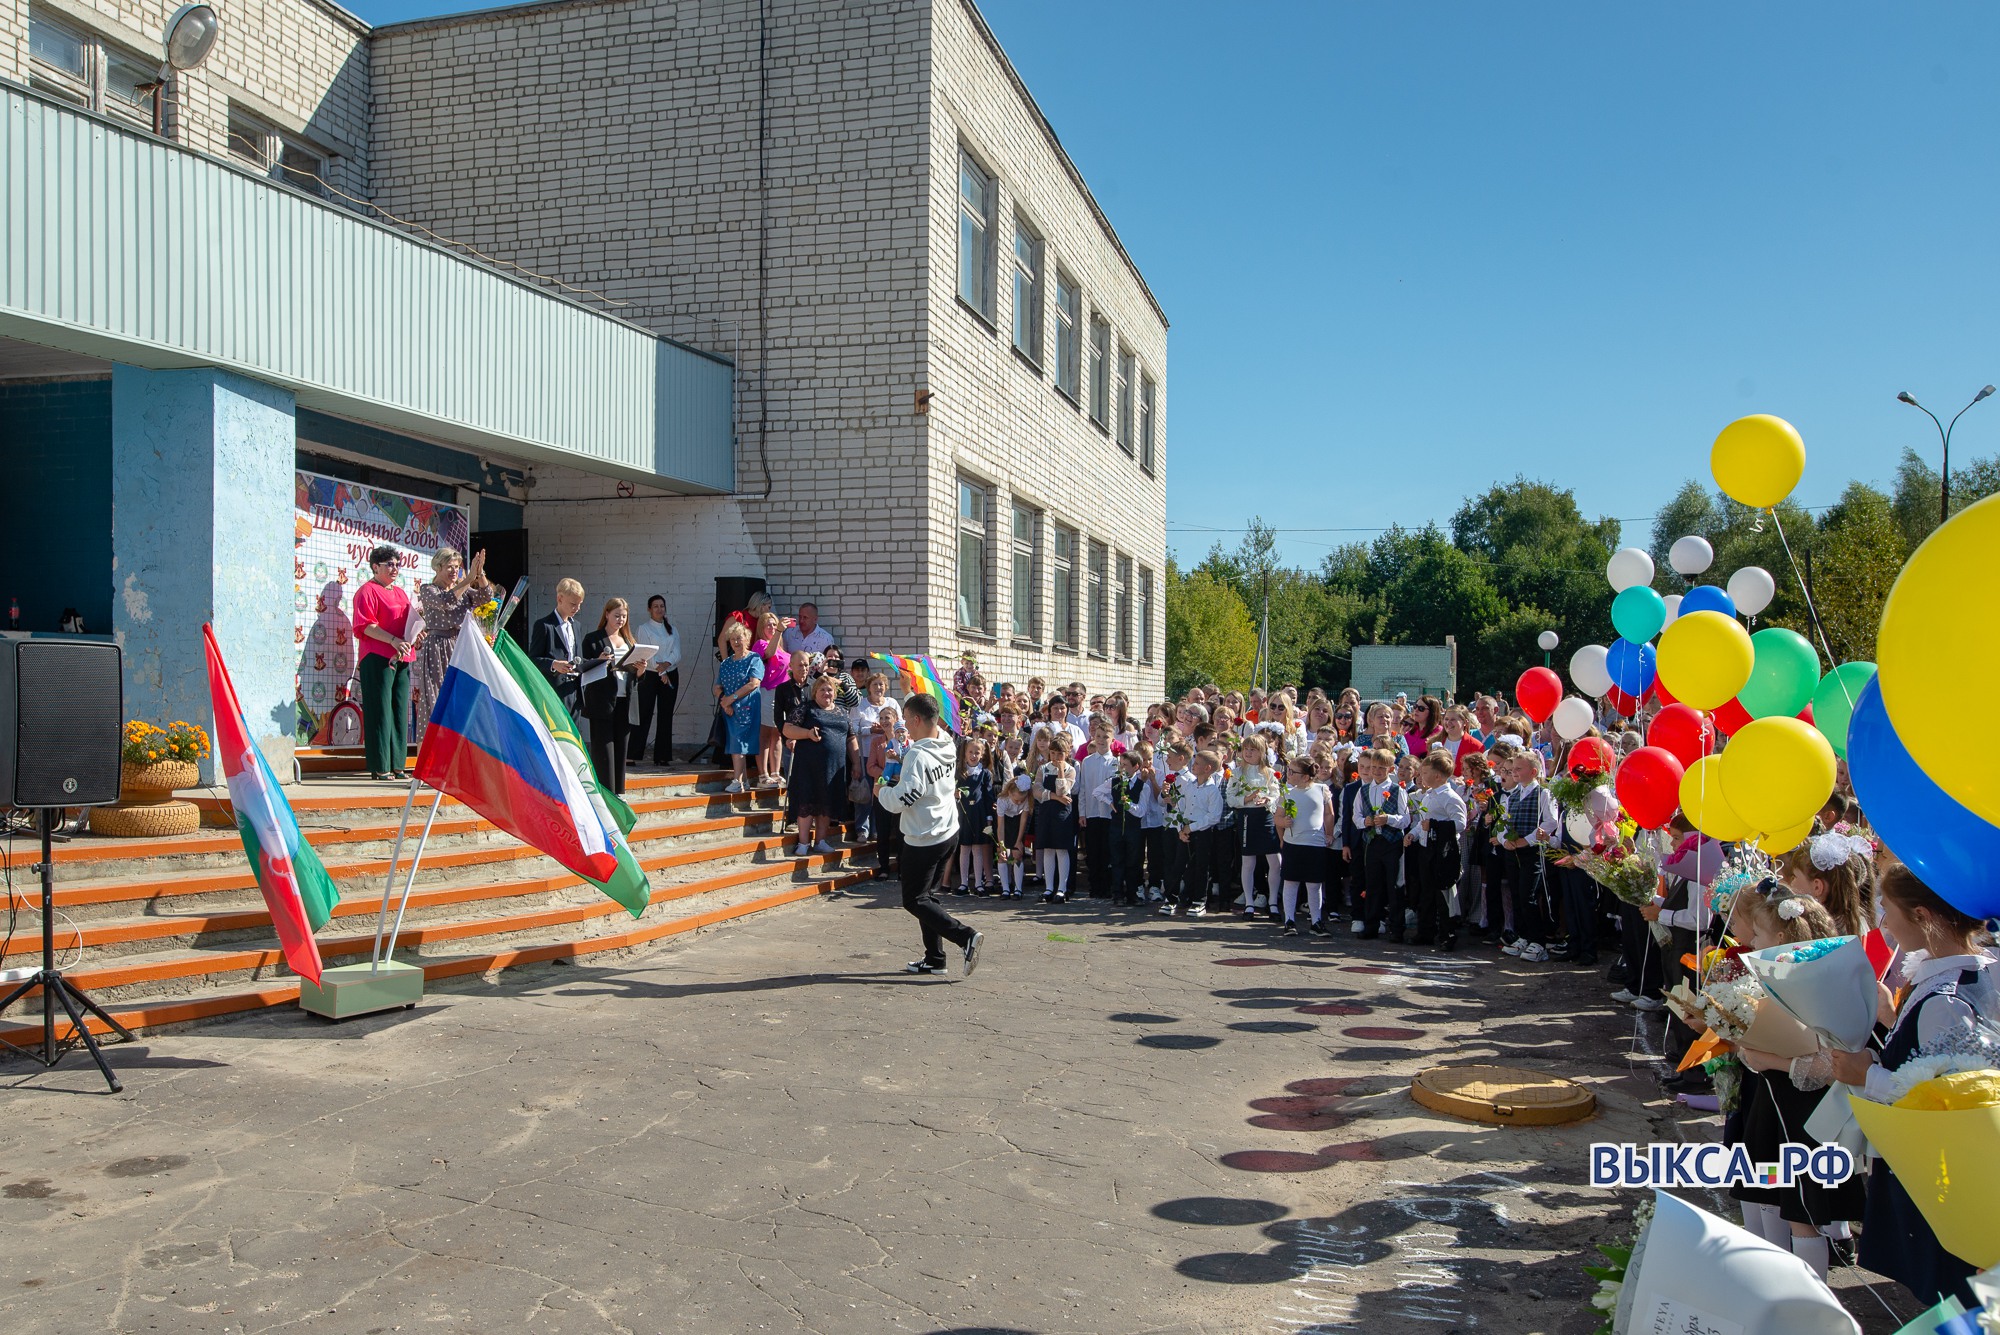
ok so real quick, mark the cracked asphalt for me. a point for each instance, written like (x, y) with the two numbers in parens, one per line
(1152, 1127)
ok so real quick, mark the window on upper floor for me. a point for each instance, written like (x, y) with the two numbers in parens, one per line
(1094, 596)
(1027, 292)
(1026, 594)
(1125, 389)
(77, 66)
(1145, 615)
(275, 154)
(975, 504)
(1100, 372)
(976, 193)
(1069, 336)
(1121, 605)
(1149, 394)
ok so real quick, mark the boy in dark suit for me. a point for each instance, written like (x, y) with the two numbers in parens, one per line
(555, 641)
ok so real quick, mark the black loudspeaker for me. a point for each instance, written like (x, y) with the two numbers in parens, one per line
(62, 712)
(732, 592)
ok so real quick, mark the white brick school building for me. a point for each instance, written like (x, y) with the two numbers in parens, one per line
(656, 291)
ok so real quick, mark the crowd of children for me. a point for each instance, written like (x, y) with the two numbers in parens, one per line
(1428, 825)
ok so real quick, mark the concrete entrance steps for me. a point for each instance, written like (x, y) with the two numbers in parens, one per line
(171, 930)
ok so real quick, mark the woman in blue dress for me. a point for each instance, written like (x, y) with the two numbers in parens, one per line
(737, 680)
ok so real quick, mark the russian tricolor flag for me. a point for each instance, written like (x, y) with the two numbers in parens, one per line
(487, 746)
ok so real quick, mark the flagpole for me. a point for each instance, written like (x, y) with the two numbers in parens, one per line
(415, 858)
(389, 881)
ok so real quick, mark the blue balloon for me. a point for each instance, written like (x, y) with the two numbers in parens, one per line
(1952, 850)
(1707, 598)
(1630, 666)
(1638, 613)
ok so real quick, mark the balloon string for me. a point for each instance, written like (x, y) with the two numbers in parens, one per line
(1832, 664)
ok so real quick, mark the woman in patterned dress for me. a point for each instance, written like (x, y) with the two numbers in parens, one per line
(442, 603)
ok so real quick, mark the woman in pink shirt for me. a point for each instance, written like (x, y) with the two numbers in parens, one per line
(381, 619)
(769, 645)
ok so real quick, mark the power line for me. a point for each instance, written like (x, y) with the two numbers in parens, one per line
(1384, 528)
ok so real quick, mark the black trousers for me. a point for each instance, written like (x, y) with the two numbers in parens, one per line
(1198, 867)
(1097, 855)
(1437, 917)
(607, 751)
(1579, 897)
(1528, 884)
(923, 874)
(1644, 956)
(1154, 842)
(1381, 856)
(657, 696)
(1172, 866)
(1127, 842)
(888, 838)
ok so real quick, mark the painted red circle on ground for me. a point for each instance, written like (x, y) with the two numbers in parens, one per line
(1364, 968)
(1354, 1151)
(1324, 1086)
(1335, 1008)
(1383, 1033)
(1325, 1121)
(1247, 963)
(1273, 1161)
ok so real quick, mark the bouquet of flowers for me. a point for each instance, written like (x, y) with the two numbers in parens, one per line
(1611, 1278)
(145, 744)
(1729, 1007)
(1249, 783)
(1286, 802)
(1574, 790)
(1174, 818)
(1627, 866)
(487, 615)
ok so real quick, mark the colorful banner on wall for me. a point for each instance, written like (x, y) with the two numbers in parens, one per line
(335, 525)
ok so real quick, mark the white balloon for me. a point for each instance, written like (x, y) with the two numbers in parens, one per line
(1673, 602)
(1627, 567)
(1573, 718)
(1548, 640)
(1690, 555)
(1580, 828)
(1587, 671)
(1752, 589)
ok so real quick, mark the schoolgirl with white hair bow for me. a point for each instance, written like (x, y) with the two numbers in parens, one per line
(1837, 869)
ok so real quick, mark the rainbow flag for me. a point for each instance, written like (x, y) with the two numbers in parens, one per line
(920, 677)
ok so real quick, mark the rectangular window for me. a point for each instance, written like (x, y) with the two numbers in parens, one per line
(1027, 574)
(1149, 394)
(1100, 372)
(1125, 423)
(972, 512)
(1064, 632)
(1100, 558)
(1069, 336)
(1145, 615)
(275, 154)
(1121, 606)
(975, 235)
(1027, 292)
(76, 66)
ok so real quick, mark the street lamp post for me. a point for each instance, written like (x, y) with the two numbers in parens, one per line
(1944, 436)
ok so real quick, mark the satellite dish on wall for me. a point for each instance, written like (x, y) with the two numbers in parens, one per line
(191, 35)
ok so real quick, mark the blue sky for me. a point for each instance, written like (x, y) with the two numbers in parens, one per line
(1408, 250)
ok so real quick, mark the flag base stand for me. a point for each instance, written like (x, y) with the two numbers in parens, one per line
(362, 989)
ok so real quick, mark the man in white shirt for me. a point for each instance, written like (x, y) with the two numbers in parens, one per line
(1094, 806)
(807, 636)
(925, 797)
(1202, 807)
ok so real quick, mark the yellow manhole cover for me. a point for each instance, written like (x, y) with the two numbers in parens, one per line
(1506, 1095)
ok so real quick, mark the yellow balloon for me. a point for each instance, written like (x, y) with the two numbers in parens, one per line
(1758, 460)
(1777, 772)
(1705, 805)
(1939, 639)
(1704, 659)
(1784, 841)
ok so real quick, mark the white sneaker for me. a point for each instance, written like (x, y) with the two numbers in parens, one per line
(1534, 953)
(1198, 911)
(1356, 926)
(1647, 1003)
(1624, 996)
(824, 847)
(1511, 948)
(735, 786)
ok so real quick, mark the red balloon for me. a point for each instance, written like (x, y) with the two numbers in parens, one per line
(1662, 694)
(1649, 786)
(1591, 755)
(1730, 717)
(1681, 731)
(1623, 705)
(1538, 692)
(1805, 715)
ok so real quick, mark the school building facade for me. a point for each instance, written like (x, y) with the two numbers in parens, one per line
(652, 293)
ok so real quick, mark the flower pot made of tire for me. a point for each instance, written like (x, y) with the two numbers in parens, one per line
(146, 806)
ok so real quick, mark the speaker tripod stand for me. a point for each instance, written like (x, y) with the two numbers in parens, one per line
(57, 989)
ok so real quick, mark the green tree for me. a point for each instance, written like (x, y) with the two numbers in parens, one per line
(1915, 500)
(1210, 636)
(1856, 556)
(1541, 552)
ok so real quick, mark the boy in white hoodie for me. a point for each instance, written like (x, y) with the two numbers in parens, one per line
(925, 796)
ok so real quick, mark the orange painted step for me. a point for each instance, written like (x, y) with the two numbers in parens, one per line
(159, 1014)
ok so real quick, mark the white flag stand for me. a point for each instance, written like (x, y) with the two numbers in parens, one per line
(381, 984)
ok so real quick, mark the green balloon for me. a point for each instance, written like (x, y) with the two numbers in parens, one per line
(1783, 675)
(1638, 614)
(1833, 702)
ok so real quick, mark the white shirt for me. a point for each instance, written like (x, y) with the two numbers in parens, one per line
(1381, 799)
(818, 641)
(568, 638)
(668, 656)
(1093, 786)
(1314, 804)
(1201, 803)
(1077, 736)
(1441, 804)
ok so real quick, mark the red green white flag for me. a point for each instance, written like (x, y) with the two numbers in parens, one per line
(296, 887)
